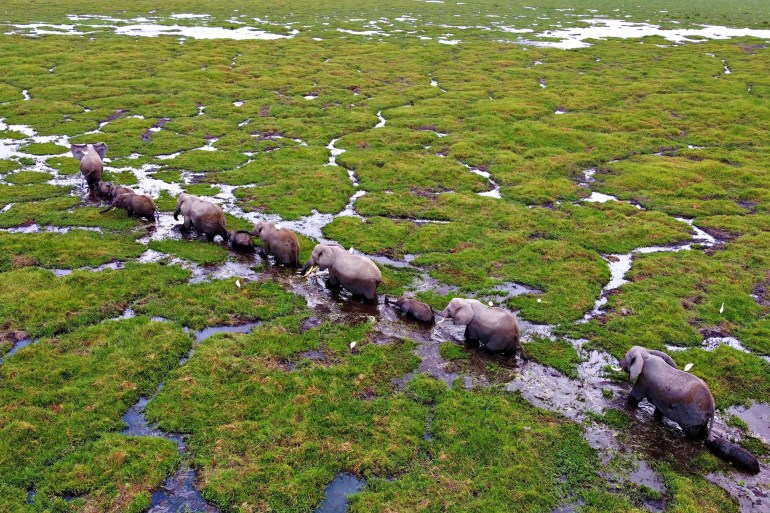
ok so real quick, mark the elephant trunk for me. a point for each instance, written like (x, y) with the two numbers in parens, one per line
(176, 213)
(307, 266)
(733, 453)
(443, 313)
(107, 209)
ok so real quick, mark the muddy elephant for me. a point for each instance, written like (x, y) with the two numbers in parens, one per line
(103, 190)
(135, 205)
(682, 398)
(241, 241)
(413, 308)
(207, 218)
(357, 274)
(494, 328)
(91, 163)
(279, 242)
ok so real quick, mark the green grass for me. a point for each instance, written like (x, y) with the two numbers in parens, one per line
(45, 304)
(28, 177)
(63, 399)
(204, 253)
(220, 302)
(559, 354)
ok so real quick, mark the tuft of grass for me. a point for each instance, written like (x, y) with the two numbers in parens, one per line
(205, 253)
(559, 354)
(451, 352)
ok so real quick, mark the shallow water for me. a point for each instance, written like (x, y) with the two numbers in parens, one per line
(336, 499)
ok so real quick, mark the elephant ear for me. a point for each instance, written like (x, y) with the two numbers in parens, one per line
(101, 149)
(325, 257)
(636, 360)
(666, 358)
(464, 313)
(78, 150)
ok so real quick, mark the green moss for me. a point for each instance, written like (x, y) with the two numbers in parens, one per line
(559, 354)
(122, 178)
(63, 211)
(616, 419)
(201, 189)
(205, 253)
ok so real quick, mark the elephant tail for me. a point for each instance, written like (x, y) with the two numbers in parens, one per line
(733, 453)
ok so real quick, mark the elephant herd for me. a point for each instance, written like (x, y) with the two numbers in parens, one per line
(678, 395)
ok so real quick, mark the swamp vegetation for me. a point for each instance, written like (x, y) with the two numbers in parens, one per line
(612, 195)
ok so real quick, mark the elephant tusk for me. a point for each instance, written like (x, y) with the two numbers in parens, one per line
(442, 320)
(616, 369)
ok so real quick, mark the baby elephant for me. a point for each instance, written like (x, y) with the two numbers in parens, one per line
(414, 308)
(135, 204)
(495, 328)
(241, 241)
(279, 242)
(681, 397)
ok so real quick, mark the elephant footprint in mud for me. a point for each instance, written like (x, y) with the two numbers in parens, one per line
(207, 218)
(682, 398)
(279, 242)
(356, 274)
(91, 164)
(494, 328)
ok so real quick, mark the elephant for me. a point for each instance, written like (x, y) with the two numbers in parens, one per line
(135, 204)
(355, 273)
(413, 308)
(280, 242)
(205, 217)
(91, 163)
(241, 241)
(495, 328)
(682, 398)
(117, 190)
(103, 190)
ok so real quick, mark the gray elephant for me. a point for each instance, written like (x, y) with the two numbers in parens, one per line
(278, 241)
(103, 190)
(355, 273)
(682, 398)
(135, 204)
(91, 163)
(495, 328)
(413, 308)
(241, 241)
(207, 218)
(117, 190)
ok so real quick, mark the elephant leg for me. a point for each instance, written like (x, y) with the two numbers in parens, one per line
(370, 293)
(692, 432)
(471, 338)
(210, 237)
(657, 415)
(637, 393)
(265, 249)
(333, 282)
(187, 224)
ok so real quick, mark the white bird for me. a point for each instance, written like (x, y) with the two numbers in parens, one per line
(491, 303)
(688, 367)
(351, 250)
(539, 300)
(238, 283)
(722, 308)
(352, 345)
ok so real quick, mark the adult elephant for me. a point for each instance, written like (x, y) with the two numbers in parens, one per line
(681, 397)
(207, 218)
(355, 273)
(495, 328)
(279, 242)
(135, 205)
(91, 163)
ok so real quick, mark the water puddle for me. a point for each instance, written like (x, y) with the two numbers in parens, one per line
(757, 416)
(337, 492)
(20, 344)
(604, 28)
(205, 333)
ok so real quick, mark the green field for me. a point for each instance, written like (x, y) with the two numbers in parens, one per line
(469, 151)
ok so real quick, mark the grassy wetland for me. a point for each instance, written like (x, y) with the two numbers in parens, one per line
(612, 191)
